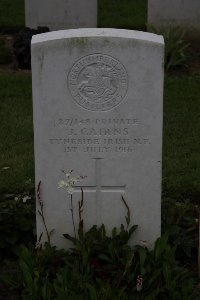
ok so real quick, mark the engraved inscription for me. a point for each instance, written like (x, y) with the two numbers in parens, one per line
(100, 135)
(98, 82)
(65, 122)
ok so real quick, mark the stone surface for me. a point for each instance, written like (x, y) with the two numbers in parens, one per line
(97, 100)
(61, 14)
(182, 13)
(31, 13)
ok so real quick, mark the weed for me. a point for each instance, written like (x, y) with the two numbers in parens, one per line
(17, 219)
(175, 46)
(5, 55)
(103, 267)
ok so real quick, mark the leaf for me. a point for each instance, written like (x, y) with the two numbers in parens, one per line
(128, 211)
(160, 246)
(114, 232)
(5, 168)
(131, 230)
(70, 238)
(92, 291)
(105, 258)
(143, 255)
(167, 273)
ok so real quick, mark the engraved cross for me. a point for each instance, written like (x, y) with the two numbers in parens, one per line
(98, 187)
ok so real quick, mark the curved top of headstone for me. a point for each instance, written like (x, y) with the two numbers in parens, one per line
(97, 32)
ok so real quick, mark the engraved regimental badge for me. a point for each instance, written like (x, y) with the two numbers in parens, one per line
(98, 82)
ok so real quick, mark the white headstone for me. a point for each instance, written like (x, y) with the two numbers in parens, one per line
(61, 14)
(177, 13)
(97, 99)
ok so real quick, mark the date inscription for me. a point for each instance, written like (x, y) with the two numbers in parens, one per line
(100, 135)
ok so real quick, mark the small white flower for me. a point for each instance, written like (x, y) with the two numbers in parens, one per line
(28, 181)
(70, 182)
(73, 181)
(61, 184)
(144, 243)
(24, 199)
(70, 189)
(67, 174)
(16, 198)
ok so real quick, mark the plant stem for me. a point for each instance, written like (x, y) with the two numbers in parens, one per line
(80, 210)
(41, 213)
(72, 211)
(45, 226)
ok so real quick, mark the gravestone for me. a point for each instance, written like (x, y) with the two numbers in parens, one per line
(177, 13)
(97, 100)
(61, 14)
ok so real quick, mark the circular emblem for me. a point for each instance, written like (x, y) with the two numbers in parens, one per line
(98, 82)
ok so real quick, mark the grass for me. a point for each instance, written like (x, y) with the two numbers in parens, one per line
(130, 14)
(12, 15)
(5, 55)
(181, 164)
(16, 135)
(127, 14)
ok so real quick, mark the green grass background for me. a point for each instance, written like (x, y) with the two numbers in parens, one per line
(12, 15)
(16, 134)
(128, 14)
(5, 55)
(181, 143)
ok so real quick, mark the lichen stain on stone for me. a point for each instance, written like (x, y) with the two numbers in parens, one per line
(40, 59)
(79, 42)
(40, 56)
(118, 43)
